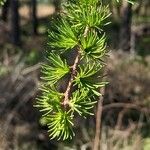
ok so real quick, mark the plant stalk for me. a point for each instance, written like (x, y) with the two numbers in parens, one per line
(73, 73)
(70, 83)
(97, 140)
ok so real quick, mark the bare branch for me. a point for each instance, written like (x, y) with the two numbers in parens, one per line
(96, 145)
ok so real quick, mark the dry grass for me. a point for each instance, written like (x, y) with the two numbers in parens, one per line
(129, 78)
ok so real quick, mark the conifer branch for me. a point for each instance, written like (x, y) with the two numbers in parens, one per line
(78, 29)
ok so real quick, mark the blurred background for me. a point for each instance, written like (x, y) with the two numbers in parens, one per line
(126, 108)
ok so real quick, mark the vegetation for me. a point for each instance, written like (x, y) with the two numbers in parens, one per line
(74, 98)
(77, 29)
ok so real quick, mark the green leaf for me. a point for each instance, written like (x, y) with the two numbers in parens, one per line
(81, 102)
(49, 101)
(54, 71)
(60, 125)
(93, 46)
(87, 78)
(89, 13)
(62, 36)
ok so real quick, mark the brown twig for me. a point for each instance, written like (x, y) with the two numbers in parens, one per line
(96, 144)
(73, 73)
(126, 105)
(120, 118)
(70, 83)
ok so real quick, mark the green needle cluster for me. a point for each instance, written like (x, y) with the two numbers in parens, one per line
(77, 30)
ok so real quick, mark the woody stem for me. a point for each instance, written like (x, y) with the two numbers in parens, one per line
(73, 73)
